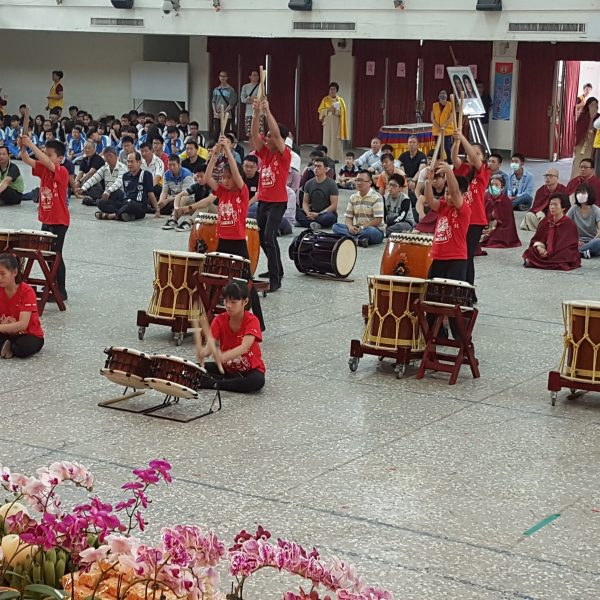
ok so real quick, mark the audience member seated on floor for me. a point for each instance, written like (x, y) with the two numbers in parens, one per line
(176, 180)
(320, 199)
(173, 143)
(364, 213)
(238, 333)
(397, 206)
(586, 216)
(250, 177)
(106, 183)
(75, 145)
(193, 161)
(378, 167)
(153, 164)
(11, 133)
(520, 184)
(387, 168)
(501, 231)
(289, 216)
(102, 141)
(138, 192)
(412, 162)
(371, 157)
(158, 147)
(11, 181)
(555, 244)
(195, 199)
(494, 162)
(128, 144)
(348, 173)
(587, 176)
(422, 176)
(539, 208)
(427, 215)
(195, 135)
(89, 165)
(294, 175)
(21, 333)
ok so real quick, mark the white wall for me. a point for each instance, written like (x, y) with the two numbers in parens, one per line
(342, 71)
(589, 72)
(96, 69)
(199, 81)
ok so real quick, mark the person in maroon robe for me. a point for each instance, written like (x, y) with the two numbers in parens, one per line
(587, 176)
(501, 231)
(539, 208)
(555, 244)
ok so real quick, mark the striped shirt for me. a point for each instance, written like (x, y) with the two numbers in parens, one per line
(363, 209)
(113, 180)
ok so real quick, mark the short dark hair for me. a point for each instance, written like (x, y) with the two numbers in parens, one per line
(236, 290)
(320, 160)
(194, 124)
(57, 146)
(336, 85)
(386, 147)
(463, 184)
(500, 177)
(322, 149)
(399, 179)
(586, 160)
(158, 139)
(22, 105)
(563, 198)
(4, 148)
(110, 150)
(365, 172)
(133, 113)
(172, 129)
(145, 145)
(518, 155)
(587, 85)
(591, 192)
(73, 107)
(11, 262)
(137, 155)
(201, 168)
(316, 154)
(350, 154)
(496, 155)
(174, 158)
(76, 128)
(59, 74)
(192, 143)
(251, 158)
(125, 116)
(184, 112)
(126, 139)
(55, 111)
(387, 156)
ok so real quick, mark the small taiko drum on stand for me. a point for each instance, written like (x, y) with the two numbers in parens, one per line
(227, 266)
(323, 253)
(127, 367)
(449, 292)
(203, 235)
(392, 322)
(174, 376)
(7, 239)
(30, 239)
(253, 242)
(175, 283)
(581, 356)
(407, 255)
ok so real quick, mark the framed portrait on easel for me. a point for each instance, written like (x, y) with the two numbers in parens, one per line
(463, 82)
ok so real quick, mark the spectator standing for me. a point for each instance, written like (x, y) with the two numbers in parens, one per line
(248, 92)
(55, 98)
(224, 99)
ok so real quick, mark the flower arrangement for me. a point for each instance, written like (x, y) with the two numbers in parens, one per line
(89, 553)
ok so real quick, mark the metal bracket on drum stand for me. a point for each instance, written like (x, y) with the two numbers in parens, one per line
(168, 401)
(402, 355)
(577, 387)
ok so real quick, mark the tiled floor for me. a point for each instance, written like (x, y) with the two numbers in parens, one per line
(428, 488)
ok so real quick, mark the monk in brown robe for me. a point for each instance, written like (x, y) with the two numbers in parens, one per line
(539, 208)
(501, 231)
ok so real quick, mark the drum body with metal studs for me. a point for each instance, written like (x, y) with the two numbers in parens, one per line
(407, 255)
(175, 376)
(203, 235)
(450, 292)
(323, 253)
(228, 266)
(30, 239)
(127, 367)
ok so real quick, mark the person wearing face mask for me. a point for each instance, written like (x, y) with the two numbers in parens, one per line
(441, 119)
(555, 244)
(520, 183)
(501, 231)
(586, 216)
(539, 208)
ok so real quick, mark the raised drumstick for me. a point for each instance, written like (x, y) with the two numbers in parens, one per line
(25, 128)
(436, 152)
(224, 119)
(201, 325)
(261, 86)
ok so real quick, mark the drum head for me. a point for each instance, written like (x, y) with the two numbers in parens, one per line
(452, 282)
(397, 279)
(47, 234)
(228, 256)
(171, 389)
(582, 304)
(124, 379)
(345, 257)
(112, 349)
(177, 254)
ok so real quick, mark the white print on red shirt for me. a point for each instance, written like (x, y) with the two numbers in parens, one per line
(229, 214)
(240, 363)
(47, 197)
(269, 173)
(468, 196)
(444, 227)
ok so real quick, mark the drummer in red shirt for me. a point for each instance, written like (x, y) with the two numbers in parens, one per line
(238, 334)
(477, 172)
(21, 334)
(234, 199)
(53, 212)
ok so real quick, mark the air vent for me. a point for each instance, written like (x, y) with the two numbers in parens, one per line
(546, 27)
(117, 22)
(306, 25)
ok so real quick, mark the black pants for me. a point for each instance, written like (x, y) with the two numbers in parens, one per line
(244, 383)
(268, 216)
(473, 236)
(240, 248)
(22, 345)
(60, 231)
(10, 196)
(120, 206)
(96, 191)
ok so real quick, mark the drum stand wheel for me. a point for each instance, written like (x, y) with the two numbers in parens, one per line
(353, 363)
(141, 332)
(556, 382)
(553, 397)
(400, 369)
(178, 337)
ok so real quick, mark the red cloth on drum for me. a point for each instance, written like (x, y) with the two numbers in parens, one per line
(274, 171)
(562, 243)
(24, 300)
(450, 237)
(52, 208)
(427, 223)
(232, 213)
(593, 181)
(505, 235)
(228, 340)
(474, 196)
(541, 200)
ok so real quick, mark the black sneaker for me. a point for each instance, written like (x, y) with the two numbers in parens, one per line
(265, 275)
(87, 201)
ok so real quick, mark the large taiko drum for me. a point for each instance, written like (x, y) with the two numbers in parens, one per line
(30, 239)
(407, 255)
(392, 322)
(253, 243)
(581, 356)
(175, 376)
(127, 367)
(449, 292)
(7, 239)
(203, 235)
(323, 253)
(175, 283)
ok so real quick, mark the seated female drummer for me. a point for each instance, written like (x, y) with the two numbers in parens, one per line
(234, 199)
(238, 334)
(555, 244)
(21, 334)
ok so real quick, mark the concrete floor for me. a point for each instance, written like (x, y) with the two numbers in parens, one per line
(426, 487)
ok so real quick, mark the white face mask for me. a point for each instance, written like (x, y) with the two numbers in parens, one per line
(582, 197)
(515, 166)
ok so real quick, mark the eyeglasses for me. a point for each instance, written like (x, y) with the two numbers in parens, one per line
(363, 180)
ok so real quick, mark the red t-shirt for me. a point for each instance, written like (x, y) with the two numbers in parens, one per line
(228, 340)
(232, 213)
(24, 300)
(475, 195)
(52, 209)
(450, 236)
(274, 171)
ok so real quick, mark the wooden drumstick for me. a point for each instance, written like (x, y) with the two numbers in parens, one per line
(453, 105)
(261, 85)
(201, 325)
(461, 114)
(436, 152)
(25, 128)
(224, 119)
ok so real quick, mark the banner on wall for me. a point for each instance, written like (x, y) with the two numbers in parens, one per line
(503, 77)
